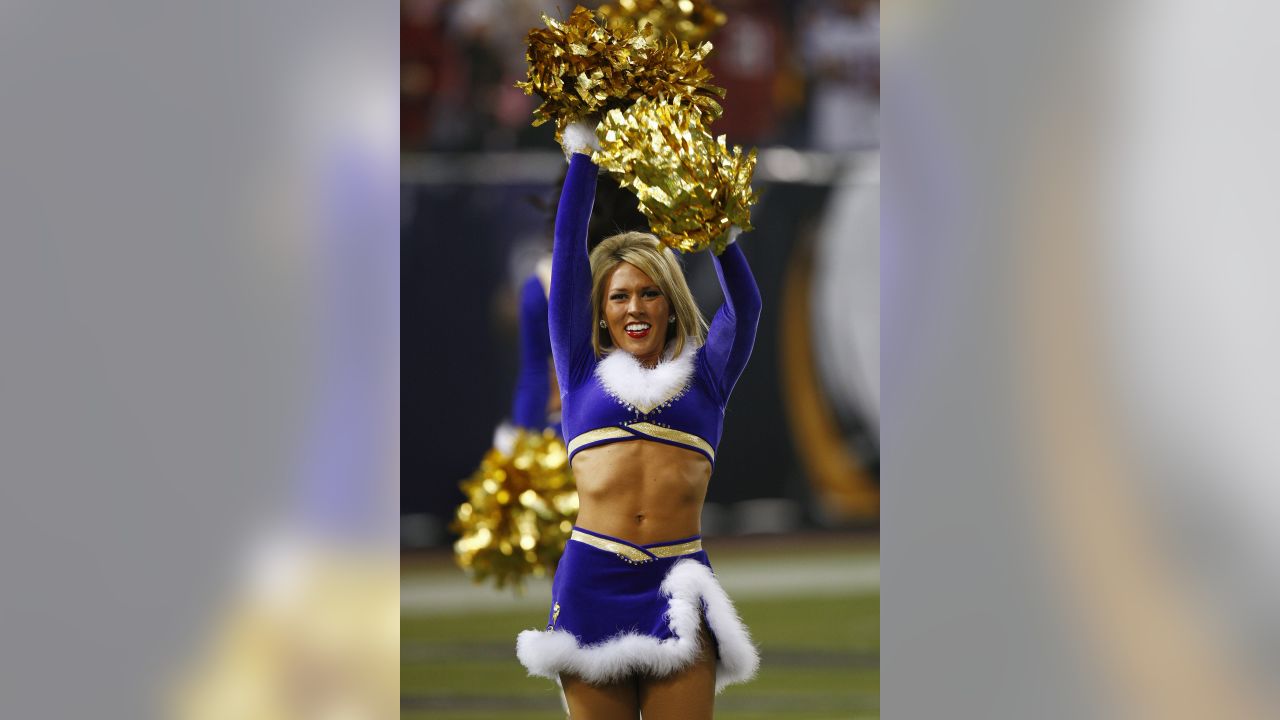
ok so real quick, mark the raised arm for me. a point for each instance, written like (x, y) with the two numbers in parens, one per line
(533, 385)
(569, 311)
(733, 330)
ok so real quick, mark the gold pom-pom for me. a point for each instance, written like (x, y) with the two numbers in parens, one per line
(690, 21)
(519, 511)
(582, 67)
(689, 184)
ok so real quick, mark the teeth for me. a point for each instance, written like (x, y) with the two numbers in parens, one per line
(637, 327)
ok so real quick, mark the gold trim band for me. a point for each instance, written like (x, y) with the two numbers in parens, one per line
(625, 432)
(590, 436)
(625, 551)
(684, 438)
(666, 551)
(635, 554)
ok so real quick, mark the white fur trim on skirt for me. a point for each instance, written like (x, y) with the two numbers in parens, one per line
(547, 653)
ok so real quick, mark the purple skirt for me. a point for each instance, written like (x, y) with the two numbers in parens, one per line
(620, 610)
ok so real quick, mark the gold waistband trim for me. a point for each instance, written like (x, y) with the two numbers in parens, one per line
(617, 548)
(667, 551)
(635, 430)
(635, 554)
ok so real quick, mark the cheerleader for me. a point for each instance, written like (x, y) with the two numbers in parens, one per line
(535, 406)
(638, 622)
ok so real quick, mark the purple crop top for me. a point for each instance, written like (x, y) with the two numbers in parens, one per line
(682, 401)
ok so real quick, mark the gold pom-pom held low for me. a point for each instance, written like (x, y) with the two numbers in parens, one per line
(582, 67)
(690, 21)
(519, 511)
(690, 185)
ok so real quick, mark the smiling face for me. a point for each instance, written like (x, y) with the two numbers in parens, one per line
(637, 312)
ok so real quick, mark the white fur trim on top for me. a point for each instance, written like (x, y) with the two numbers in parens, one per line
(689, 584)
(645, 388)
(579, 137)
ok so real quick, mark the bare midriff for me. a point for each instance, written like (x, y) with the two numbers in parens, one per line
(641, 491)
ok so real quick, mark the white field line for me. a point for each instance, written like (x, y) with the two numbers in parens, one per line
(450, 593)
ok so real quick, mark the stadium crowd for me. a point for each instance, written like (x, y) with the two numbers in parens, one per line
(803, 74)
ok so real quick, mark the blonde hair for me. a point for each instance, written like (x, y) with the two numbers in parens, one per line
(659, 263)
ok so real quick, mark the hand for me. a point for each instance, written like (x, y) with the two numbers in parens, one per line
(580, 137)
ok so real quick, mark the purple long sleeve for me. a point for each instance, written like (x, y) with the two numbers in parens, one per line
(533, 385)
(569, 309)
(596, 413)
(733, 330)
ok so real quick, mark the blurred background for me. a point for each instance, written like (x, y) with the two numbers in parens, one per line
(792, 514)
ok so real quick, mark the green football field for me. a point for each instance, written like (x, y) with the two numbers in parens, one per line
(812, 605)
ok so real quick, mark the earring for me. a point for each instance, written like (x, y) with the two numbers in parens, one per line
(671, 319)
(603, 324)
